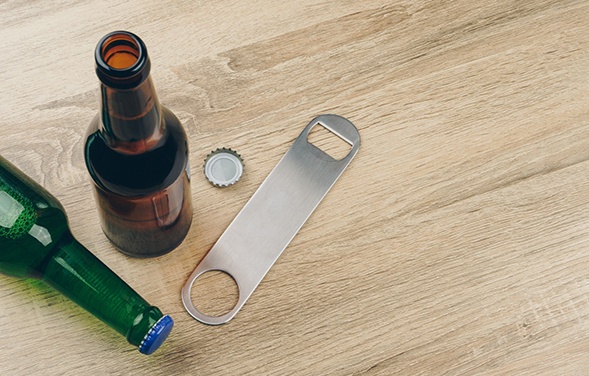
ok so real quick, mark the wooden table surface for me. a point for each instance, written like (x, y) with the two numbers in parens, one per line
(457, 242)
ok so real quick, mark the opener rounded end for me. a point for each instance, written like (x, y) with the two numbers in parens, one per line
(198, 315)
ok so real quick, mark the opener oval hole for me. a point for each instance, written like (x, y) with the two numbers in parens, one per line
(329, 142)
(214, 293)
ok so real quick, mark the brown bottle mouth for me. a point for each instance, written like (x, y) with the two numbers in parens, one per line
(121, 60)
(120, 51)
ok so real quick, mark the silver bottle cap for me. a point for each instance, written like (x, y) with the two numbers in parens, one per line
(223, 167)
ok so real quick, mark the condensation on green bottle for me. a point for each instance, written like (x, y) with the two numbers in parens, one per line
(35, 242)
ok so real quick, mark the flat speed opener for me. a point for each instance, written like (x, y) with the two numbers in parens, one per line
(278, 209)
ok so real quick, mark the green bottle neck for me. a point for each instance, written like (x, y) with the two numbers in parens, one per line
(79, 275)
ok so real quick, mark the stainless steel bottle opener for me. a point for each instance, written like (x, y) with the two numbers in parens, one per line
(278, 209)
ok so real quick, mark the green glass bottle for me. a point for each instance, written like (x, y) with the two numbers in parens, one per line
(35, 242)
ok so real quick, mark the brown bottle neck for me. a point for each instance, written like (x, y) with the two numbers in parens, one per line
(131, 119)
(130, 113)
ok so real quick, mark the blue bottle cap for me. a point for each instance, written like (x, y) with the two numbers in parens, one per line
(156, 335)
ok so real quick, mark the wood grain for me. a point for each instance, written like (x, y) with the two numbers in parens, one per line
(456, 242)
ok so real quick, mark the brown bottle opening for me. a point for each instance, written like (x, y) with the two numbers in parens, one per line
(120, 51)
(121, 60)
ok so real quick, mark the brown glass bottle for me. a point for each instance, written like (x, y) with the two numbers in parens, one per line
(137, 154)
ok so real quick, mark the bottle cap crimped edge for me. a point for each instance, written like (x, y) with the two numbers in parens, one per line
(156, 335)
(223, 167)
